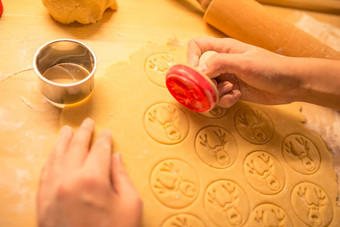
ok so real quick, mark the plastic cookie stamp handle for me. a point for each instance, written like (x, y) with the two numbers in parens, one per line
(191, 88)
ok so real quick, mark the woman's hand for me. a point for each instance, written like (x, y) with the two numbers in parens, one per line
(244, 71)
(82, 186)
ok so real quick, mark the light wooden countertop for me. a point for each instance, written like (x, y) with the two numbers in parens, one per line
(29, 124)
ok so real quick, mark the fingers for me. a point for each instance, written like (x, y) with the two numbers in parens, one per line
(228, 96)
(194, 53)
(224, 87)
(219, 64)
(79, 146)
(63, 141)
(229, 99)
(53, 163)
(198, 46)
(53, 166)
(122, 183)
(99, 158)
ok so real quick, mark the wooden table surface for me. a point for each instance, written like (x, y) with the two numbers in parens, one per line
(29, 124)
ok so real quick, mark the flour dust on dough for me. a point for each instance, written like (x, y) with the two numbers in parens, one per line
(249, 165)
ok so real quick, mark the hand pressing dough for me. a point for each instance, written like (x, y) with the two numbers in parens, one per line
(250, 165)
(82, 11)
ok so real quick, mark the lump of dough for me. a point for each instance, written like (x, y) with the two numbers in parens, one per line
(82, 11)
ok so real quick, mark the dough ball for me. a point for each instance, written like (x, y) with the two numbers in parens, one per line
(82, 11)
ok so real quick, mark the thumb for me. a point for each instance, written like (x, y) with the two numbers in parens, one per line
(121, 181)
(222, 63)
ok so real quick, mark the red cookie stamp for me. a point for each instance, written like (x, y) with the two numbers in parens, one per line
(191, 88)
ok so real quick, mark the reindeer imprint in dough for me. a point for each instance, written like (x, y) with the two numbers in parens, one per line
(216, 112)
(268, 215)
(311, 204)
(226, 203)
(156, 67)
(264, 172)
(254, 125)
(183, 220)
(174, 183)
(301, 154)
(166, 123)
(216, 147)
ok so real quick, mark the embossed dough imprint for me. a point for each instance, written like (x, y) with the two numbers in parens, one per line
(226, 203)
(269, 215)
(156, 67)
(183, 220)
(301, 154)
(166, 123)
(216, 147)
(254, 125)
(216, 112)
(311, 204)
(264, 172)
(174, 183)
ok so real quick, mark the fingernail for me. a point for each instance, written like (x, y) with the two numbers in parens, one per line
(224, 88)
(107, 135)
(65, 130)
(238, 94)
(87, 122)
(228, 86)
(118, 158)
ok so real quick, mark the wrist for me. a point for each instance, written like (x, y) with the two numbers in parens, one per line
(289, 81)
(294, 72)
(318, 81)
(297, 69)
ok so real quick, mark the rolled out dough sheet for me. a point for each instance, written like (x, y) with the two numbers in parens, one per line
(250, 165)
(29, 127)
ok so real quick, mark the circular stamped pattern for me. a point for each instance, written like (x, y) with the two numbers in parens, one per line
(216, 112)
(311, 204)
(226, 203)
(216, 147)
(264, 172)
(166, 123)
(156, 67)
(254, 125)
(183, 220)
(301, 154)
(174, 183)
(269, 215)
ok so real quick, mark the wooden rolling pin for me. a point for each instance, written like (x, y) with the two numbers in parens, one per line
(250, 22)
(323, 6)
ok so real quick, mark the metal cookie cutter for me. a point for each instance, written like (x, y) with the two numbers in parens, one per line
(65, 68)
(191, 88)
